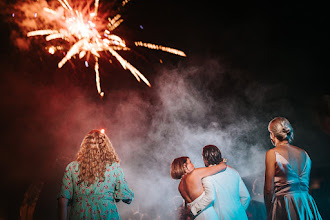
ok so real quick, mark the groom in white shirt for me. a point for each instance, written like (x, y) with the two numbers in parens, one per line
(225, 191)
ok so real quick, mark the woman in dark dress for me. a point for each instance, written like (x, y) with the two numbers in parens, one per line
(287, 176)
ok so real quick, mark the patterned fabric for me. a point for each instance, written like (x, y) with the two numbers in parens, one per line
(292, 200)
(96, 201)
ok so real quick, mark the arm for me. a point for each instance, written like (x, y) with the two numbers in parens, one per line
(62, 208)
(65, 194)
(269, 178)
(208, 171)
(244, 194)
(206, 200)
(122, 191)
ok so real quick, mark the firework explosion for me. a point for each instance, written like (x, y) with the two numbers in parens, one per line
(82, 31)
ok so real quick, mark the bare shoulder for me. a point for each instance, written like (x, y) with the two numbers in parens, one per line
(181, 189)
(190, 176)
(270, 157)
(270, 153)
(180, 186)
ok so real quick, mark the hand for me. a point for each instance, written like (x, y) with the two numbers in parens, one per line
(190, 217)
(188, 209)
(189, 214)
(127, 201)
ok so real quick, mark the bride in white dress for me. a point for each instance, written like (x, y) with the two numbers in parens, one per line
(191, 187)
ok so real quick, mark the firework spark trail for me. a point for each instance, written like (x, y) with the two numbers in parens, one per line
(130, 67)
(97, 78)
(114, 23)
(81, 31)
(41, 32)
(96, 6)
(159, 47)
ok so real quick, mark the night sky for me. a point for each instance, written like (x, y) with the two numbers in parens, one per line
(254, 59)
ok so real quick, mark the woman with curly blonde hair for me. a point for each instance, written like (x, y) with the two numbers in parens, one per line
(94, 181)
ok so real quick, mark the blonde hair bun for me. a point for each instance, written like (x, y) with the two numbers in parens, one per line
(281, 128)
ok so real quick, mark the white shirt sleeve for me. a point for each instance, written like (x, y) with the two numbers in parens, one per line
(244, 194)
(207, 199)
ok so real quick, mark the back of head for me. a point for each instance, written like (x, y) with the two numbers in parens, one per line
(96, 151)
(281, 128)
(212, 154)
(178, 167)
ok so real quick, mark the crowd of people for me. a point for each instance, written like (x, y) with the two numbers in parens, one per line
(94, 182)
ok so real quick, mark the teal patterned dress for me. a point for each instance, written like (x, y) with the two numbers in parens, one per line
(96, 201)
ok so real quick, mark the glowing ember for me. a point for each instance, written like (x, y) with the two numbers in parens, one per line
(51, 50)
(82, 32)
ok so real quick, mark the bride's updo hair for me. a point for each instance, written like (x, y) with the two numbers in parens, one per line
(281, 128)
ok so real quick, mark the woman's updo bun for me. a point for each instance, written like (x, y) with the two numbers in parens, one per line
(281, 128)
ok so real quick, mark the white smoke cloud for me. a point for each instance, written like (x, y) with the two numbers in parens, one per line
(185, 118)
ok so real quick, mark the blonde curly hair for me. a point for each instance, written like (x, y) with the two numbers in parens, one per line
(96, 151)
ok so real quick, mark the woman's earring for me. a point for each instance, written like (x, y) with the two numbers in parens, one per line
(273, 142)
